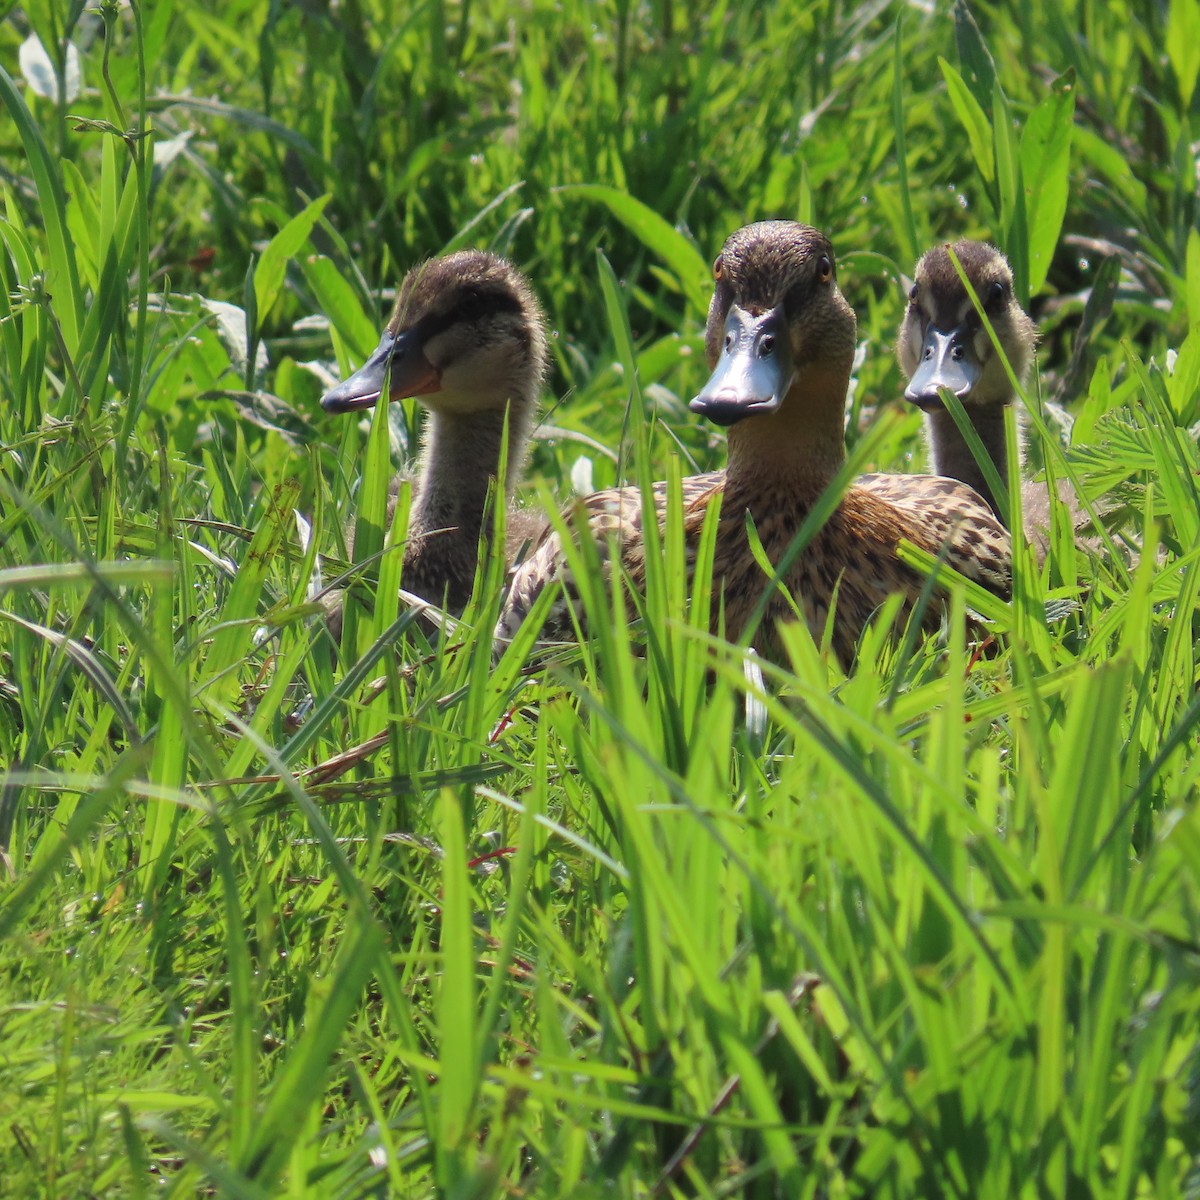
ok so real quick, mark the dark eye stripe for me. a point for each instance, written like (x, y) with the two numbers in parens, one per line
(471, 306)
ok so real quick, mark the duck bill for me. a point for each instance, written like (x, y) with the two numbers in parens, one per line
(948, 361)
(399, 362)
(754, 371)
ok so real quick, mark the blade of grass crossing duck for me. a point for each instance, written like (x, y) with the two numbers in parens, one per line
(473, 665)
(370, 516)
(391, 561)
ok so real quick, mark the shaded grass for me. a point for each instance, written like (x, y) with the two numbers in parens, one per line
(926, 928)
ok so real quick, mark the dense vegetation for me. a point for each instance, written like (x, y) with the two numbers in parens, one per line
(400, 919)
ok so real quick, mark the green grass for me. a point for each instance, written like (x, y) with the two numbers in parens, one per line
(402, 920)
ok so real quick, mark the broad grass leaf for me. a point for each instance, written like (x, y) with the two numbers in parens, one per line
(657, 235)
(1183, 46)
(973, 119)
(1095, 713)
(369, 522)
(52, 204)
(340, 303)
(55, 574)
(115, 246)
(1045, 174)
(979, 68)
(1010, 194)
(83, 223)
(231, 329)
(1183, 383)
(1192, 278)
(1111, 164)
(282, 248)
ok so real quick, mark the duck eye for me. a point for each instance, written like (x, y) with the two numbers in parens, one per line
(718, 266)
(824, 269)
(994, 295)
(470, 306)
(912, 293)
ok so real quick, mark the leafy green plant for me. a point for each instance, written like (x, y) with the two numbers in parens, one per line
(409, 913)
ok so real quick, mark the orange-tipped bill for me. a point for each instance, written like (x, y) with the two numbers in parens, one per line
(398, 361)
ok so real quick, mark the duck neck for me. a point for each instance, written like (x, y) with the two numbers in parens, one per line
(952, 456)
(801, 446)
(459, 463)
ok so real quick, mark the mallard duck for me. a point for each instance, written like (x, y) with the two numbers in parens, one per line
(942, 343)
(780, 339)
(467, 339)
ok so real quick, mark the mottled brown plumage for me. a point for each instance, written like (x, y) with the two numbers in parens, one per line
(781, 339)
(943, 343)
(467, 338)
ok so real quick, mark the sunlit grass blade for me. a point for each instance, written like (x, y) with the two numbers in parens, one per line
(673, 247)
(233, 636)
(309, 1060)
(60, 262)
(421, 913)
(456, 1005)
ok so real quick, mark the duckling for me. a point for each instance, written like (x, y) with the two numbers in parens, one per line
(942, 343)
(780, 339)
(467, 339)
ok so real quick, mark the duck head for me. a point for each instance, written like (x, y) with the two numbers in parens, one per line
(776, 317)
(943, 342)
(467, 334)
